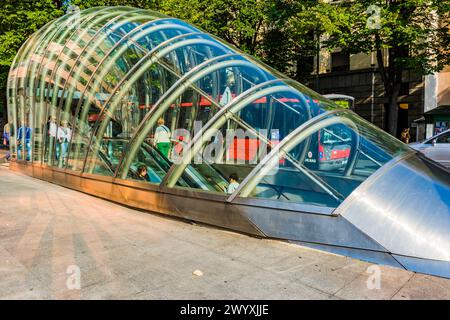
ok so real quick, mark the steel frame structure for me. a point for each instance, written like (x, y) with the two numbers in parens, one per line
(383, 202)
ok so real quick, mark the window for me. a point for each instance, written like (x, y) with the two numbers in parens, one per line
(443, 138)
(404, 89)
(340, 61)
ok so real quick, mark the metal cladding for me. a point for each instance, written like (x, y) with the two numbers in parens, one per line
(147, 110)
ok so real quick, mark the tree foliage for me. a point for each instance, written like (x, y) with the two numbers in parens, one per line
(18, 20)
(415, 33)
(282, 33)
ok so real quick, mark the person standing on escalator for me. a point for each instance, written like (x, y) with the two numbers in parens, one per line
(142, 173)
(233, 183)
(63, 136)
(162, 138)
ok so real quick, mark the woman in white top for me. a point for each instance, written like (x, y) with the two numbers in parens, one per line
(161, 139)
(63, 136)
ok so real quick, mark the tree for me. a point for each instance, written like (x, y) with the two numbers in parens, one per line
(282, 33)
(18, 20)
(144, 4)
(415, 33)
(278, 47)
(309, 28)
(239, 22)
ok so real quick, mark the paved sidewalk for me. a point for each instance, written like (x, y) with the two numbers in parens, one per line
(3, 153)
(47, 230)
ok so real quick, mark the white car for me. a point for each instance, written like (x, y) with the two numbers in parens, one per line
(436, 148)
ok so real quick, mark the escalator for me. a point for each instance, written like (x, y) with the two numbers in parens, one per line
(157, 165)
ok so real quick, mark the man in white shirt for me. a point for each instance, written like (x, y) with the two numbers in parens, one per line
(52, 129)
(226, 97)
(161, 139)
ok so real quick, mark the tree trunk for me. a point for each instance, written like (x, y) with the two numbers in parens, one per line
(393, 110)
(391, 76)
(4, 107)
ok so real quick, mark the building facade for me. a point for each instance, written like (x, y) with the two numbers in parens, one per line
(357, 75)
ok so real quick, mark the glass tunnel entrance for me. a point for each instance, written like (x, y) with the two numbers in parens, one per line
(135, 99)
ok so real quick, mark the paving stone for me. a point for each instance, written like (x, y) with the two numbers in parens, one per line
(129, 254)
(366, 286)
(424, 287)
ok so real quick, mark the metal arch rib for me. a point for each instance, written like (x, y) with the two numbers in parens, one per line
(119, 53)
(57, 67)
(50, 59)
(124, 38)
(178, 83)
(105, 9)
(275, 151)
(42, 77)
(12, 82)
(140, 64)
(139, 35)
(86, 46)
(29, 45)
(283, 148)
(91, 50)
(154, 55)
(52, 31)
(25, 47)
(219, 119)
(172, 94)
(189, 154)
(13, 73)
(56, 79)
(53, 28)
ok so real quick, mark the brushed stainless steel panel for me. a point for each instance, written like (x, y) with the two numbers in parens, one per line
(434, 267)
(300, 226)
(406, 209)
(364, 255)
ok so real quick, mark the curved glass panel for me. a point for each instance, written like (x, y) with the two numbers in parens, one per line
(20, 97)
(323, 163)
(133, 94)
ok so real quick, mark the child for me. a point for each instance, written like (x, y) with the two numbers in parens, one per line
(234, 184)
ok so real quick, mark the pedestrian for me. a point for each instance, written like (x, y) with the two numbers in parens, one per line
(227, 96)
(405, 136)
(161, 139)
(24, 137)
(142, 173)
(6, 136)
(64, 134)
(233, 183)
(6, 132)
(52, 129)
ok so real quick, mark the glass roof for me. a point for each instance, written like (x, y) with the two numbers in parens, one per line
(133, 94)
